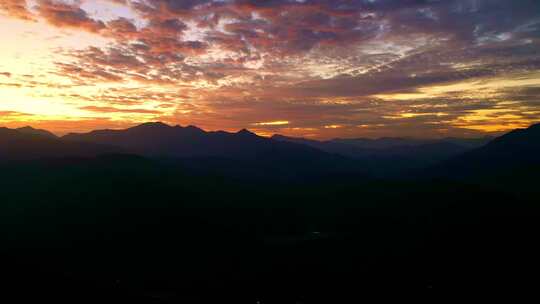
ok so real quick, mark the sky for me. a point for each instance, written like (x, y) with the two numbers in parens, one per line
(310, 68)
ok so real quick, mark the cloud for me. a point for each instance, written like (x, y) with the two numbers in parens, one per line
(402, 65)
(118, 110)
(272, 123)
(17, 9)
(10, 114)
(65, 15)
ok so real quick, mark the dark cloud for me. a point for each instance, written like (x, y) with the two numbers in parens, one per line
(122, 27)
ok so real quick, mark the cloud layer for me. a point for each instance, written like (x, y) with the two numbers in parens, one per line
(327, 68)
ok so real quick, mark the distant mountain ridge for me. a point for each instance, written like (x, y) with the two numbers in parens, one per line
(384, 143)
(159, 139)
(248, 154)
(242, 154)
(391, 156)
(27, 143)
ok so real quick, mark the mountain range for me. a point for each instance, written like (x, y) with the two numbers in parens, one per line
(198, 149)
(28, 143)
(161, 140)
(392, 155)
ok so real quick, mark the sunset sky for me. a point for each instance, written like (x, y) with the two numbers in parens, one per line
(312, 68)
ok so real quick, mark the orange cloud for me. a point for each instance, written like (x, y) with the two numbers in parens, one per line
(118, 110)
(16, 8)
(65, 15)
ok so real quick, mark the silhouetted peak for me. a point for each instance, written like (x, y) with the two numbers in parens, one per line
(32, 131)
(246, 132)
(27, 128)
(534, 127)
(529, 137)
(152, 125)
(6, 130)
(194, 129)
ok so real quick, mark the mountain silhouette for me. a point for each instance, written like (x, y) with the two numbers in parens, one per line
(327, 146)
(245, 154)
(391, 156)
(518, 147)
(30, 130)
(27, 143)
(161, 140)
(361, 147)
(241, 155)
(510, 160)
(380, 143)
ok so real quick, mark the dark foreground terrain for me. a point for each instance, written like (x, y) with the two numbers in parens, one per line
(137, 229)
(130, 228)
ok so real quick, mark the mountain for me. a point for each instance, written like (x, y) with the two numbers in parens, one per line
(517, 148)
(391, 156)
(27, 143)
(469, 142)
(241, 154)
(327, 146)
(161, 140)
(365, 147)
(30, 130)
(518, 145)
(511, 160)
(380, 143)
